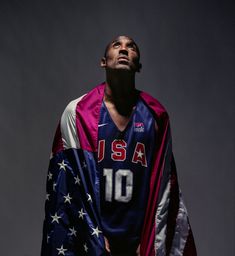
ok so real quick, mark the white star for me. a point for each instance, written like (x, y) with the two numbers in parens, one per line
(84, 165)
(89, 199)
(81, 213)
(62, 165)
(47, 197)
(54, 185)
(61, 250)
(67, 199)
(140, 153)
(85, 247)
(49, 176)
(55, 218)
(96, 231)
(73, 232)
(77, 180)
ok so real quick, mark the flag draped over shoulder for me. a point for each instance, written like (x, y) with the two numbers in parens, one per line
(72, 224)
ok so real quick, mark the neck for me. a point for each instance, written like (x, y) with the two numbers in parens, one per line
(120, 91)
(120, 84)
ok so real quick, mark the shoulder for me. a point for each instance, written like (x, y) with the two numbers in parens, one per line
(158, 109)
(70, 109)
(68, 128)
(85, 102)
(68, 118)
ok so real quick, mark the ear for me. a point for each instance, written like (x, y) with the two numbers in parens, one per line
(103, 62)
(139, 67)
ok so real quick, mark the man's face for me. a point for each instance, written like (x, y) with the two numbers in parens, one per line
(122, 54)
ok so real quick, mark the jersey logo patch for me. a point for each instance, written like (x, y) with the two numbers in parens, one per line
(139, 127)
(101, 125)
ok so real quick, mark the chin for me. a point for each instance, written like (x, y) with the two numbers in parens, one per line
(123, 67)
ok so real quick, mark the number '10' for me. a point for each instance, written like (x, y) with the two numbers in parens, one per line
(118, 176)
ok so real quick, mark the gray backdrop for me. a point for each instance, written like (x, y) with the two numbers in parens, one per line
(49, 55)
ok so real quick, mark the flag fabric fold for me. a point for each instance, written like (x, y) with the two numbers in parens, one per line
(72, 224)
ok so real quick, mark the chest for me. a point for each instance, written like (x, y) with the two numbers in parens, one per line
(133, 144)
(119, 120)
(125, 161)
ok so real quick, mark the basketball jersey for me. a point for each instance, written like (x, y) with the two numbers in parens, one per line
(124, 163)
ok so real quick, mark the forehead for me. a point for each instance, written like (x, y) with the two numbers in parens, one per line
(122, 39)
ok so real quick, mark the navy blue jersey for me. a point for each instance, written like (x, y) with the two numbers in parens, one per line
(124, 162)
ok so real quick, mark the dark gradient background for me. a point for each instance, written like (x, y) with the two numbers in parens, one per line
(49, 55)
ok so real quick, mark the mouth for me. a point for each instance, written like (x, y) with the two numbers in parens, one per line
(123, 58)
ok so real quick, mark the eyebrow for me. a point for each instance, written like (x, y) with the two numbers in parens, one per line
(130, 42)
(115, 41)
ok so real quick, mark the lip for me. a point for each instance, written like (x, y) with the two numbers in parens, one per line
(123, 58)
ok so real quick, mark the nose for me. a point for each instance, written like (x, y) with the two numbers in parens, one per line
(123, 50)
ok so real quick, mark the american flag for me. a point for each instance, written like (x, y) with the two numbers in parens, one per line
(72, 223)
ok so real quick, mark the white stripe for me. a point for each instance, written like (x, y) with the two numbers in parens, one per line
(162, 209)
(181, 227)
(68, 125)
(181, 230)
(161, 222)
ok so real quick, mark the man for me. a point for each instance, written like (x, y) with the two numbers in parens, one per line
(112, 187)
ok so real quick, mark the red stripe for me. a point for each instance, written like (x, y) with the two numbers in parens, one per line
(87, 118)
(190, 248)
(148, 234)
(57, 143)
(173, 208)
